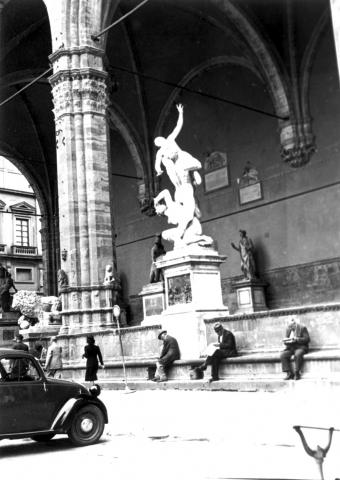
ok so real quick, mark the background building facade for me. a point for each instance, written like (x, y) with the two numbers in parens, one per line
(20, 244)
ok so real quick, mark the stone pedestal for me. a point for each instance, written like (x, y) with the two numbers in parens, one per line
(153, 302)
(250, 295)
(192, 292)
(87, 309)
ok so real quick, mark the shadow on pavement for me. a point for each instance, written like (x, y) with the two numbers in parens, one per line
(30, 447)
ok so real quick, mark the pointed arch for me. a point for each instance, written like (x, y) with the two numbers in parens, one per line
(195, 72)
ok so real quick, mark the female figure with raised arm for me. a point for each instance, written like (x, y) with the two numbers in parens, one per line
(181, 168)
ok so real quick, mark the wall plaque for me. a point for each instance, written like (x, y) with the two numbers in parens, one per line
(153, 305)
(179, 289)
(216, 173)
(250, 193)
(9, 334)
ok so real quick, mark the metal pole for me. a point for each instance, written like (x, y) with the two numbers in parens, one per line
(116, 314)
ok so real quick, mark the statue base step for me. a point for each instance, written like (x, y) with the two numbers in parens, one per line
(250, 295)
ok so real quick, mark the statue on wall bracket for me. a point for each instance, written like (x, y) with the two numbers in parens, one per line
(250, 188)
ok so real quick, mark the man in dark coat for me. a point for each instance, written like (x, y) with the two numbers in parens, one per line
(19, 366)
(170, 353)
(296, 342)
(225, 347)
(156, 274)
(19, 344)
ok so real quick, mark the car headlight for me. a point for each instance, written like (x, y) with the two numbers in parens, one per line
(95, 390)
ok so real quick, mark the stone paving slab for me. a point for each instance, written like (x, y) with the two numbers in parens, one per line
(193, 435)
(232, 385)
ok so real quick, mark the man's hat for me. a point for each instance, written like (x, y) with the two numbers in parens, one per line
(19, 337)
(218, 326)
(160, 335)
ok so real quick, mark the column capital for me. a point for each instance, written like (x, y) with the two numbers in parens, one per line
(77, 50)
(79, 91)
(297, 142)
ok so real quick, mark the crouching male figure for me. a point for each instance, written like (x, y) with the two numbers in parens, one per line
(225, 347)
(170, 353)
(296, 342)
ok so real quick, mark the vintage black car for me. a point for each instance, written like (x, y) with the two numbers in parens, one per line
(38, 407)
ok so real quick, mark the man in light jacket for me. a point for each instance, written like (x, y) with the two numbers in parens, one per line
(296, 342)
(53, 358)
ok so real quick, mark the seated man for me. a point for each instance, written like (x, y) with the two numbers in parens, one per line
(170, 353)
(225, 347)
(296, 342)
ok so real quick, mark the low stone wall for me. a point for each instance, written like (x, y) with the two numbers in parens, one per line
(138, 343)
(305, 284)
(258, 333)
(264, 331)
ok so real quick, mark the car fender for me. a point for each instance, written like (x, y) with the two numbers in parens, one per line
(64, 417)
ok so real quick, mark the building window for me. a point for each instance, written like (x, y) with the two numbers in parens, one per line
(21, 232)
(24, 275)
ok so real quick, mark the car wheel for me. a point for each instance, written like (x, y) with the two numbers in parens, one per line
(43, 437)
(87, 425)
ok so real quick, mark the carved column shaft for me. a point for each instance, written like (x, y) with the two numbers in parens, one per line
(86, 243)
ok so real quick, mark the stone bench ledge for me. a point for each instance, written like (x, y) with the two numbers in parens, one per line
(240, 358)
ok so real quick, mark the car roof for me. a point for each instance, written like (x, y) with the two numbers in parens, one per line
(14, 352)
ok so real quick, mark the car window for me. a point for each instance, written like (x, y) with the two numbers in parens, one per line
(18, 369)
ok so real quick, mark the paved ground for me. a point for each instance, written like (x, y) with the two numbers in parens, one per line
(192, 435)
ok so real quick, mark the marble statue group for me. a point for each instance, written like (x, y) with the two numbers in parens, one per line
(181, 210)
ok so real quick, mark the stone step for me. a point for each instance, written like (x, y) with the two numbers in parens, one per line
(247, 369)
(230, 385)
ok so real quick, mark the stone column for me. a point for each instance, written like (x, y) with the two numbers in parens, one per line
(85, 224)
(335, 10)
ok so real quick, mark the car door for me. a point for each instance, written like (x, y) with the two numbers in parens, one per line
(28, 401)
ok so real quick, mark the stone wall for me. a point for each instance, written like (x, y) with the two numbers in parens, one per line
(295, 235)
(306, 284)
(263, 331)
(138, 343)
(260, 332)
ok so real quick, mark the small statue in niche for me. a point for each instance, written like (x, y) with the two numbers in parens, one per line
(5, 294)
(250, 175)
(109, 278)
(62, 279)
(3, 274)
(246, 251)
(156, 274)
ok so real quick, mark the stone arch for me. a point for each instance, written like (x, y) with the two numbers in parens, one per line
(307, 62)
(49, 226)
(16, 158)
(270, 70)
(196, 71)
(118, 122)
(295, 148)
